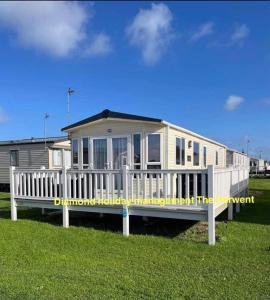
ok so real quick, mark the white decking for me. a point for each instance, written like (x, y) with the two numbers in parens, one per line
(39, 188)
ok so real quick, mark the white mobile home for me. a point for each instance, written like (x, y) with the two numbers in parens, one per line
(124, 156)
(236, 158)
(32, 154)
(267, 166)
(257, 165)
(106, 140)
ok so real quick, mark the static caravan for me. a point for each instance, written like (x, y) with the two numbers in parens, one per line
(257, 165)
(267, 166)
(32, 154)
(236, 159)
(110, 139)
(134, 158)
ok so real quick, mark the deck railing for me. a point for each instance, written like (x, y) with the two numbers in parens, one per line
(229, 182)
(37, 183)
(131, 184)
(45, 185)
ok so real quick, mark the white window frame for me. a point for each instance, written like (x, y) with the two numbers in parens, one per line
(181, 162)
(204, 147)
(217, 158)
(78, 143)
(61, 159)
(132, 150)
(85, 166)
(17, 150)
(161, 150)
(198, 153)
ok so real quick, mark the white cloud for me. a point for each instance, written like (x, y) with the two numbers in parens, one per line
(203, 30)
(54, 27)
(99, 46)
(3, 116)
(151, 31)
(239, 35)
(233, 102)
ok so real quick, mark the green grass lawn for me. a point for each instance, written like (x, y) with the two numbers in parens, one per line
(161, 259)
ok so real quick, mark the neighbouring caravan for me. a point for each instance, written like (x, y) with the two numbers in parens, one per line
(257, 165)
(267, 166)
(110, 139)
(32, 153)
(235, 158)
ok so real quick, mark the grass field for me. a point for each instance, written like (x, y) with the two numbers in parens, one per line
(161, 259)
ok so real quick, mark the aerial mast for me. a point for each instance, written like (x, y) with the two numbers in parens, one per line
(69, 93)
(46, 116)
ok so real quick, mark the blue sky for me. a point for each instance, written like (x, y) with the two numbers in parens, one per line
(202, 65)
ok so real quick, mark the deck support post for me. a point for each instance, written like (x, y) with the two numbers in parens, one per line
(125, 197)
(211, 207)
(145, 218)
(43, 211)
(65, 216)
(64, 197)
(230, 211)
(125, 221)
(13, 205)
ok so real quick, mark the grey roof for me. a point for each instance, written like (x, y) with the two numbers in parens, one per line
(105, 114)
(34, 140)
(237, 151)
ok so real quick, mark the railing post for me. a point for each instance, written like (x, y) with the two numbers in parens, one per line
(12, 194)
(63, 158)
(211, 206)
(230, 205)
(42, 188)
(64, 197)
(238, 190)
(125, 196)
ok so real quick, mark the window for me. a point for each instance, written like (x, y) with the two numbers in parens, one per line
(137, 151)
(216, 158)
(85, 152)
(57, 158)
(153, 155)
(100, 153)
(180, 151)
(154, 148)
(196, 154)
(67, 157)
(204, 156)
(14, 158)
(75, 151)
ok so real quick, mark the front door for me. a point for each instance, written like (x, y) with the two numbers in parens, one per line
(110, 152)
